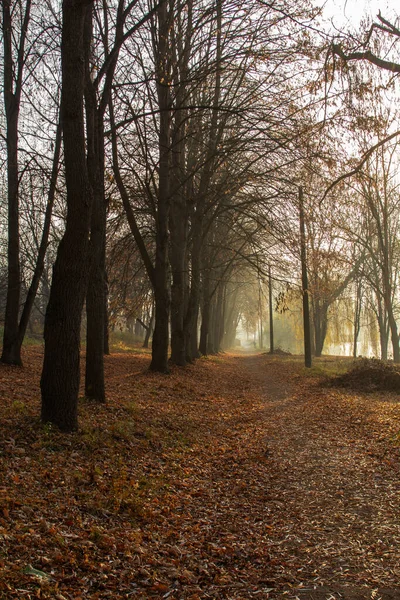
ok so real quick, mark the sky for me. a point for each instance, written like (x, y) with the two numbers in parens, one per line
(351, 12)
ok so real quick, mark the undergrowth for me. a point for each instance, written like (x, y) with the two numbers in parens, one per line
(370, 375)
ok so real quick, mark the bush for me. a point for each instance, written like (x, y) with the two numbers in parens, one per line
(370, 375)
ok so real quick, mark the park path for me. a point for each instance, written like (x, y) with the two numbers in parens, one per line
(293, 492)
(338, 490)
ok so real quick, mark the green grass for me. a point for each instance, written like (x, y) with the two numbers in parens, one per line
(123, 341)
(30, 339)
(328, 367)
(35, 339)
(214, 358)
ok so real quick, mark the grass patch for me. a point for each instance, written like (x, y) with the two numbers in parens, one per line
(213, 358)
(327, 367)
(123, 341)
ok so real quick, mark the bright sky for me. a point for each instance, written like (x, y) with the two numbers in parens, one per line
(349, 13)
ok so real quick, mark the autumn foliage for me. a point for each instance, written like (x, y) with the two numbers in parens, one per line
(238, 477)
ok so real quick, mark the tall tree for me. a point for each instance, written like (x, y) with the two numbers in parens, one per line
(98, 84)
(13, 81)
(60, 375)
(381, 200)
(161, 48)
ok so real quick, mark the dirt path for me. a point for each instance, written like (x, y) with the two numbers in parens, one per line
(285, 494)
(235, 478)
(338, 497)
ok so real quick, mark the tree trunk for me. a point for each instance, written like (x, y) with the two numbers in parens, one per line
(384, 342)
(320, 324)
(179, 214)
(159, 349)
(39, 266)
(11, 350)
(149, 329)
(357, 316)
(394, 336)
(260, 314)
(320, 327)
(11, 353)
(219, 317)
(388, 302)
(381, 315)
(193, 341)
(190, 324)
(230, 320)
(95, 302)
(159, 359)
(106, 319)
(178, 231)
(211, 349)
(195, 350)
(304, 285)
(205, 314)
(60, 375)
(271, 313)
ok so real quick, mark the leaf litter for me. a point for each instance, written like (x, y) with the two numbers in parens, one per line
(237, 477)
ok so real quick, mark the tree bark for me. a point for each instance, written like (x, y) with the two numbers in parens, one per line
(320, 319)
(190, 324)
(106, 319)
(11, 353)
(384, 340)
(205, 313)
(304, 285)
(60, 375)
(179, 213)
(149, 329)
(211, 340)
(357, 316)
(271, 313)
(179, 268)
(159, 359)
(95, 304)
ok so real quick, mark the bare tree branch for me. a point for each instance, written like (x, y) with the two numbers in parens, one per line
(362, 162)
(368, 56)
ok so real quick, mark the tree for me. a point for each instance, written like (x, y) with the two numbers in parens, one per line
(215, 109)
(60, 375)
(381, 37)
(304, 284)
(381, 202)
(13, 82)
(97, 100)
(366, 54)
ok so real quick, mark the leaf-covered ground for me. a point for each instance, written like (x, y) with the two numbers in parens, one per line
(239, 477)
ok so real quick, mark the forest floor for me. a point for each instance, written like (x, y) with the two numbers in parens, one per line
(239, 477)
